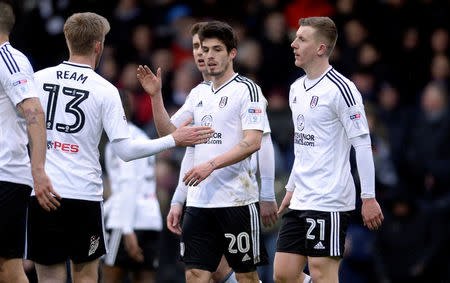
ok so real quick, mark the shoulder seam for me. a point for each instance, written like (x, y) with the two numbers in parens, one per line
(253, 89)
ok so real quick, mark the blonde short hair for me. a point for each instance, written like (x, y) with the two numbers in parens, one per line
(325, 30)
(82, 30)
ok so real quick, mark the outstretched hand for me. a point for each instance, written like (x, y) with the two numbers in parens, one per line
(151, 83)
(186, 135)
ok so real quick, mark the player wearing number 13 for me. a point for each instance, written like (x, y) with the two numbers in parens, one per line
(79, 104)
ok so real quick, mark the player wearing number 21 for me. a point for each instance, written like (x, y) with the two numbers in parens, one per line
(78, 105)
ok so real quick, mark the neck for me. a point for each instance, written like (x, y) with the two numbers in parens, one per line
(3, 38)
(219, 80)
(316, 69)
(206, 77)
(83, 59)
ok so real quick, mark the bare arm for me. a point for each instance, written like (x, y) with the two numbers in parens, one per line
(248, 145)
(152, 85)
(32, 111)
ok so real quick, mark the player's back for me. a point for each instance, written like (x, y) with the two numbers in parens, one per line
(78, 104)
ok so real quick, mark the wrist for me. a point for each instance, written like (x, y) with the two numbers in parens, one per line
(212, 165)
(364, 200)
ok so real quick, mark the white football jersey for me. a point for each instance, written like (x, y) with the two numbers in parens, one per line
(16, 84)
(325, 115)
(134, 203)
(78, 104)
(236, 106)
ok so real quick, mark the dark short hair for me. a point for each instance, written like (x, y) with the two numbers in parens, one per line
(7, 17)
(196, 27)
(220, 30)
(325, 30)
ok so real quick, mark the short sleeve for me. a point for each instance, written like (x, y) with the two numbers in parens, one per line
(351, 112)
(185, 112)
(114, 119)
(253, 109)
(18, 82)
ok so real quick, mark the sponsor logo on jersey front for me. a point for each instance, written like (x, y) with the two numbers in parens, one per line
(207, 121)
(300, 122)
(93, 245)
(304, 139)
(223, 101)
(314, 101)
(216, 136)
(63, 147)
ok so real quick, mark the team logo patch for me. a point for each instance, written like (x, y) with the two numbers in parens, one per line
(254, 110)
(355, 116)
(22, 81)
(207, 121)
(314, 101)
(93, 245)
(300, 122)
(223, 101)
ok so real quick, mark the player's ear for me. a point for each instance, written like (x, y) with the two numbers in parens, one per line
(98, 47)
(233, 53)
(322, 49)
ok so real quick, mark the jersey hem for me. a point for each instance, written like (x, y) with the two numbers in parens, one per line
(325, 209)
(201, 205)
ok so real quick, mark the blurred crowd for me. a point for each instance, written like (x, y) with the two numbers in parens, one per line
(395, 51)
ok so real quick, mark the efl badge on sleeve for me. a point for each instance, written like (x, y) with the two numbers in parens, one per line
(314, 101)
(223, 101)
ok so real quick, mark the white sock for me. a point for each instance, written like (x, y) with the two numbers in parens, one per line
(307, 279)
(231, 278)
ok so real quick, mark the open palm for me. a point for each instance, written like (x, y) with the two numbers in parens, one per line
(152, 84)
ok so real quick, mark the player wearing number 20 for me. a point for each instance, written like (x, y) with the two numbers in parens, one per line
(79, 104)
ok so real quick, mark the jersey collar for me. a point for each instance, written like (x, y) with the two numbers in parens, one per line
(76, 65)
(224, 85)
(323, 75)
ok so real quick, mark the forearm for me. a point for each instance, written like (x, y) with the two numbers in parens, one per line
(365, 165)
(266, 164)
(180, 195)
(246, 147)
(129, 149)
(161, 117)
(32, 111)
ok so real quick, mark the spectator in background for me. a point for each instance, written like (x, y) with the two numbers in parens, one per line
(274, 77)
(396, 119)
(428, 153)
(408, 243)
(249, 59)
(142, 43)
